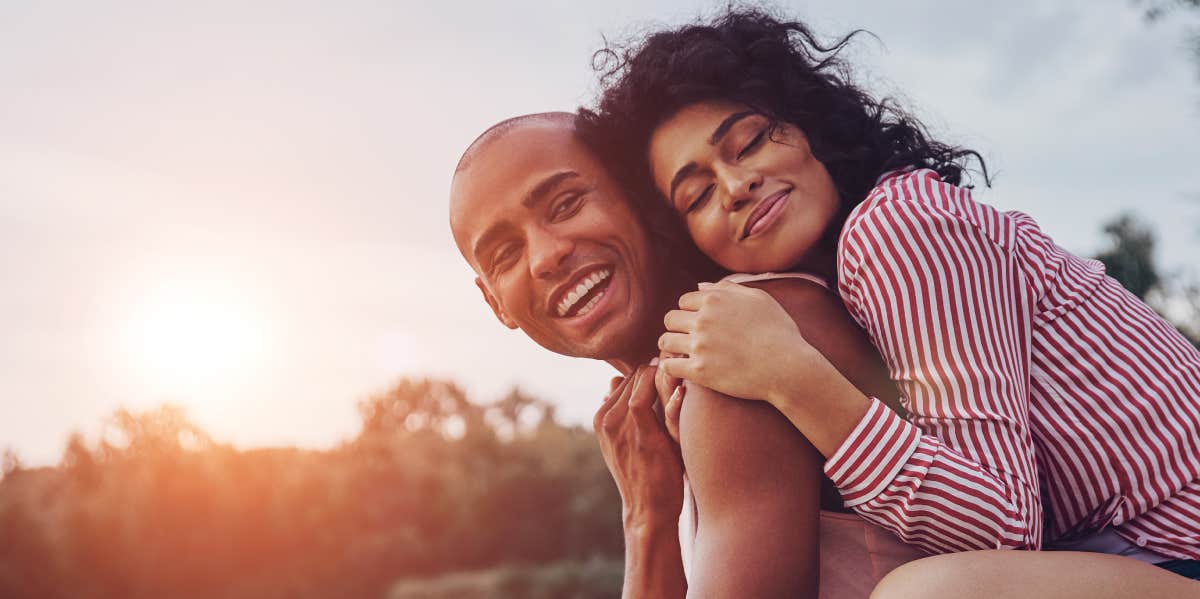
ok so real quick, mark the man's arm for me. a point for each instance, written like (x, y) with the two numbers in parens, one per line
(756, 482)
(646, 466)
(758, 475)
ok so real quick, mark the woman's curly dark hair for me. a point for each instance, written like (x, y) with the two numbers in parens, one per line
(776, 67)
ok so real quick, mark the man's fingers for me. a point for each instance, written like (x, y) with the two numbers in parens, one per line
(614, 383)
(614, 394)
(680, 321)
(675, 343)
(621, 406)
(671, 411)
(643, 393)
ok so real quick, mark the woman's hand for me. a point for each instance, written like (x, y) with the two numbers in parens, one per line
(737, 340)
(644, 461)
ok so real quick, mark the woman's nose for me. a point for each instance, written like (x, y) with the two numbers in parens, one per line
(739, 185)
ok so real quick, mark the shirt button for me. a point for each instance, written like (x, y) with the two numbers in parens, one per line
(1118, 520)
(1141, 541)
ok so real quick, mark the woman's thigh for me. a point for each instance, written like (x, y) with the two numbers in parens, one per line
(1030, 574)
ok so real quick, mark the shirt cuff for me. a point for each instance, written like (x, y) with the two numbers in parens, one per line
(871, 457)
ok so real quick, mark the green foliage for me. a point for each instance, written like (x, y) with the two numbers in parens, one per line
(1130, 257)
(432, 484)
(1130, 260)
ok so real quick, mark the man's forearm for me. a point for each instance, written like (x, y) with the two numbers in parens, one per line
(653, 564)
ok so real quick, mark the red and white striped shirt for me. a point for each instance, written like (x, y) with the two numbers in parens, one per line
(1034, 381)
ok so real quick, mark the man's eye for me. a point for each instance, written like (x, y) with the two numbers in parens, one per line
(753, 143)
(700, 199)
(502, 259)
(566, 208)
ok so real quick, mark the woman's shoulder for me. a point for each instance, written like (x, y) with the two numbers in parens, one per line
(919, 202)
(745, 277)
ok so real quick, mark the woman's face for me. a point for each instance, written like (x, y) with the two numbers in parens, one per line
(754, 199)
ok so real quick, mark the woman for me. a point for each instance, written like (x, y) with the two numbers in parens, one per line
(1008, 351)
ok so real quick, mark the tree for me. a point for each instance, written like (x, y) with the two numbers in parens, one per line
(1130, 257)
(1130, 260)
(1156, 10)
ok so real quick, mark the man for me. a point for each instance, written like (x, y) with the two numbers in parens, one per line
(560, 253)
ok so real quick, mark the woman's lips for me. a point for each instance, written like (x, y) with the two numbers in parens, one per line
(765, 214)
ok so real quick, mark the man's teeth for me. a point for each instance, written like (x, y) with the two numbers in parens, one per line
(581, 290)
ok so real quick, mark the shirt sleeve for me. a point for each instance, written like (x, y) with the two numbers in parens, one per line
(936, 285)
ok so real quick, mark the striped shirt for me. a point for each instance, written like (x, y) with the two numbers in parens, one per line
(1037, 385)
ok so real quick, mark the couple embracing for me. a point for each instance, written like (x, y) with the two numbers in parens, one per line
(892, 386)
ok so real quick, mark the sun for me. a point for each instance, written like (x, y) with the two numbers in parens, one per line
(183, 337)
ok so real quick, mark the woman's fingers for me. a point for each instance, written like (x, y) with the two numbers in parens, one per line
(680, 368)
(675, 344)
(692, 300)
(680, 321)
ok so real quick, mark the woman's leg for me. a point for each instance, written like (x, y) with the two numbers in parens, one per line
(1033, 574)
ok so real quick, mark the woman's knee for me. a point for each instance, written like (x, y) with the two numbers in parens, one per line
(950, 575)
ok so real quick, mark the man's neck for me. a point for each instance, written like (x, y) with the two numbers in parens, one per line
(646, 347)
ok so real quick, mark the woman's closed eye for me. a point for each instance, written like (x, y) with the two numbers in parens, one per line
(700, 199)
(753, 143)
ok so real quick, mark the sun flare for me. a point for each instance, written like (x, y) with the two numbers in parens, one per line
(188, 337)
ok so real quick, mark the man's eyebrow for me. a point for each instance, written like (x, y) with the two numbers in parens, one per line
(487, 238)
(539, 192)
(543, 188)
(717, 135)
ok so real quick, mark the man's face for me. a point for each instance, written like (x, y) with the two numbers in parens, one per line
(557, 249)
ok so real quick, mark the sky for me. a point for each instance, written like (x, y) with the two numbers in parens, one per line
(240, 207)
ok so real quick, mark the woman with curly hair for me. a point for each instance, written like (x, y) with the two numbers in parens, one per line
(1048, 407)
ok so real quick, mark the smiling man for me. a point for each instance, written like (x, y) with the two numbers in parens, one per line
(560, 253)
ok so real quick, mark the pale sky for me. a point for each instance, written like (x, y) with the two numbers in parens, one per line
(241, 207)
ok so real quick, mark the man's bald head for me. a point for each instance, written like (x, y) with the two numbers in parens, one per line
(499, 130)
(558, 248)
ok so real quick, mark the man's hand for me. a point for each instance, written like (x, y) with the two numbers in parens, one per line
(642, 457)
(648, 469)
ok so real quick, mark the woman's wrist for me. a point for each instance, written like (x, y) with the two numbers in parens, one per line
(799, 371)
(819, 400)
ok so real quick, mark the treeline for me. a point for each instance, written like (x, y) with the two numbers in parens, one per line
(432, 484)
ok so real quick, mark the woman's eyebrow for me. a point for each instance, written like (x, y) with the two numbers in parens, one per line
(728, 124)
(713, 140)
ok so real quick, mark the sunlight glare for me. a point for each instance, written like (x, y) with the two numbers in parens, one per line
(189, 337)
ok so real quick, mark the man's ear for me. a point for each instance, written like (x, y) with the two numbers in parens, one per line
(495, 305)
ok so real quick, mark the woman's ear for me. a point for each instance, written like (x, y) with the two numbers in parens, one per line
(495, 305)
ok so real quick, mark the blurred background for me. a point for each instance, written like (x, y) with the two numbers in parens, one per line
(241, 357)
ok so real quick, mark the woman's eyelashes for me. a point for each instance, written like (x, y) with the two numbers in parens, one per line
(699, 201)
(754, 142)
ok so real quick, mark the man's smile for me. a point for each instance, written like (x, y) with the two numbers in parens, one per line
(582, 292)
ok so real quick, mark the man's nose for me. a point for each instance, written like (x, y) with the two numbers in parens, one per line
(737, 185)
(547, 252)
